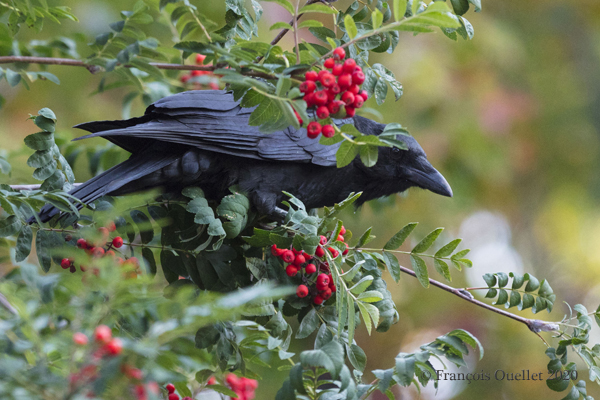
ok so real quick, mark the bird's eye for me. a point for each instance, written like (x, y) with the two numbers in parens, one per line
(396, 150)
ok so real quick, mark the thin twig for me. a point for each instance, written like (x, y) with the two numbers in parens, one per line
(296, 32)
(32, 187)
(283, 32)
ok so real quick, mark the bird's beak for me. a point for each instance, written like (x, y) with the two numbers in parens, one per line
(427, 177)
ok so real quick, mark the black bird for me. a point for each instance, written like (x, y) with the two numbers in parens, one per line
(202, 138)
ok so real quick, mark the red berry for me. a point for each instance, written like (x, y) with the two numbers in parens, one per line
(140, 392)
(313, 130)
(345, 251)
(332, 287)
(335, 106)
(326, 294)
(307, 87)
(302, 291)
(330, 96)
(364, 95)
(197, 72)
(350, 111)
(102, 334)
(318, 300)
(337, 69)
(184, 78)
(335, 89)
(340, 238)
(334, 252)
(323, 280)
(342, 230)
(348, 98)
(291, 270)
(299, 260)
(320, 98)
(311, 76)
(65, 263)
(134, 373)
(170, 388)
(329, 63)
(327, 79)
(81, 243)
(117, 242)
(358, 101)
(300, 122)
(322, 239)
(339, 53)
(349, 66)
(232, 380)
(345, 81)
(310, 269)
(111, 226)
(328, 131)
(323, 112)
(309, 98)
(275, 250)
(319, 252)
(358, 77)
(200, 58)
(80, 338)
(354, 89)
(98, 252)
(173, 396)
(288, 256)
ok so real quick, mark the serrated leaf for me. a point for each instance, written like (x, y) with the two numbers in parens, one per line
(365, 238)
(398, 239)
(442, 268)
(469, 339)
(9, 226)
(309, 324)
(23, 247)
(446, 250)
(380, 91)
(346, 153)
(405, 369)
(420, 269)
(361, 285)
(391, 262)
(370, 296)
(368, 155)
(427, 241)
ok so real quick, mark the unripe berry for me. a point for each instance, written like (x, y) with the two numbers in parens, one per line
(114, 347)
(329, 63)
(80, 338)
(339, 53)
(323, 112)
(68, 237)
(358, 77)
(323, 280)
(348, 98)
(134, 261)
(98, 252)
(200, 58)
(318, 300)
(320, 98)
(110, 253)
(111, 226)
(327, 79)
(302, 291)
(299, 260)
(345, 81)
(354, 89)
(102, 334)
(337, 69)
(65, 263)
(288, 256)
(81, 243)
(322, 239)
(117, 242)
(319, 252)
(307, 87)
(170, 388)
(310, 269)
(334, 252)
(311, 76)
(350, 111)
(313, 130)
(349, 66)
(328, 131)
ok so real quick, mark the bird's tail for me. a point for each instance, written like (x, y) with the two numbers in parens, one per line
(119, 179)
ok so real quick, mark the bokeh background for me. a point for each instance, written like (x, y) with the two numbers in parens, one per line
(511, 118)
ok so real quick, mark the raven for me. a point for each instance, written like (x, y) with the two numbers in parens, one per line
(202, 138)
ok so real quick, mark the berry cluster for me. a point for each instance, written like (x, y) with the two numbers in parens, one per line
(243, 387)
(99, 248)
(197, 85)
(333, 90)
(315, 273)
(172, 395)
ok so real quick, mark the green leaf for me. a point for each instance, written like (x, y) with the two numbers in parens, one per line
(40, 141)
(309, 324)
(405, 369)
(515, 299)
(368, 155)
(370, 296)
(143, 224)
(365, 238)
(398, 239)
(361, 285)
(558, 384)
(502, 297)
(149, 260)
(45, 171)
(318, 8)
(469, 339)
(376, 19)
(420, 269)
(311, 23)
(45, 243)
(490, 279)
(391, 262)
(346, 153)
(9, 226)
(330, 357)
(40, 158)
(477, 4)
(13, 78)
(460, 7)
(47, 113)
(357, 357)
(427, 241)
(224, 390)
(532, 283)
(192, 192)
(399, 7)
(448, 249)
(380, 91)
(442, 268)
(285, 4)
(23, 247)
(280, 25)
(351, 29)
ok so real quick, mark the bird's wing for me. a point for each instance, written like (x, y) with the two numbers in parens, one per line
(213, 121)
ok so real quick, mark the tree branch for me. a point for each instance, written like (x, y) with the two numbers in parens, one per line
(32, 187)
(534, 325)
(95, 68)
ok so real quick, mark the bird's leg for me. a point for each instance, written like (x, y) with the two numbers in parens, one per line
(279, 214)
